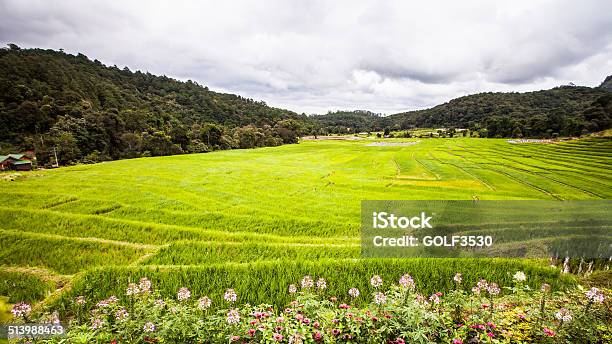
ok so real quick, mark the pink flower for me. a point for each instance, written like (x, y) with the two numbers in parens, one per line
(21, 310)
(230, 295)
(344, 306)
(493, 289)
(594, 295)
(380, 298)
(235, 338)
(353, 292)
(277, 337)
(522, 316)
(406, 281)
(251, 332)
(204, 303)
(316, 324)
(317, 336)
(307, 282)
(233, 317)
(149, 327)
(457, 341)
(376, 281)
(335, 332)
(491, 325)
(490, 334)
(400, 341)
(548, 332)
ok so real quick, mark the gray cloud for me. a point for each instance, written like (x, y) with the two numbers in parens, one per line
(315, 56)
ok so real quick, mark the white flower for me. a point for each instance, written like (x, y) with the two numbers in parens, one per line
(519, 276)
(563, 315)
(230, 295)
(132, 289)
(434, 298)
(97, 323)
(121, 314)
(102, 304)
(144, 285)
(21, 310)
(545, 288)
(594, 295)
(493, 289)
(233, 317)
(458, 278)
(353, 292)
(204, 303)
(307, 282)
(376, 281)
(80, 300)
(406, 281)
(112, 299)
(476, 290)
(149, 327)
(183, 294)
(321, 284)
(292, 289)
(380, 298)
(482, 284)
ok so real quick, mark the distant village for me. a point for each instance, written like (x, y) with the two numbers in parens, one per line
(17, 162)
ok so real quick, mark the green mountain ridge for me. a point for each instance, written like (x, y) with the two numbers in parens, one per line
(90, 111)
(84, 111)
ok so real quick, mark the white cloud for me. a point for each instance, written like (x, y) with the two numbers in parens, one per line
(315, 56)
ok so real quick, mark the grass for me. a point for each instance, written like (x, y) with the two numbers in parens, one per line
(63, 255)
(199, 253)
(27, 284)
(262, 217)
(267, 281)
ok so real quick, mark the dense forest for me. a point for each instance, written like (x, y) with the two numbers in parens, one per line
(342, 122)
(90, 112)
(561, 111)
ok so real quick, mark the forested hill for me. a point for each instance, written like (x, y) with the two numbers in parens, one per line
(565, 111)
(92, 112)
(348, 121)
(561, 111)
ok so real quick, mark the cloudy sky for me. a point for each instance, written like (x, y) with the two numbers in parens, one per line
(315, 56)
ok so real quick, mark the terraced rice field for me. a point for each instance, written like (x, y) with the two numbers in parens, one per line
(257, 220)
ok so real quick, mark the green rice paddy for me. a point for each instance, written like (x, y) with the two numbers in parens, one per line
(258, 219)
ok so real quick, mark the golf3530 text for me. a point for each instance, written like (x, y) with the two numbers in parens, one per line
(434, 241)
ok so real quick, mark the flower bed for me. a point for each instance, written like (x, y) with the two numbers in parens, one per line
(397, 313)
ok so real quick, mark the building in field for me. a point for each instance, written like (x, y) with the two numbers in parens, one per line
(16, 162)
